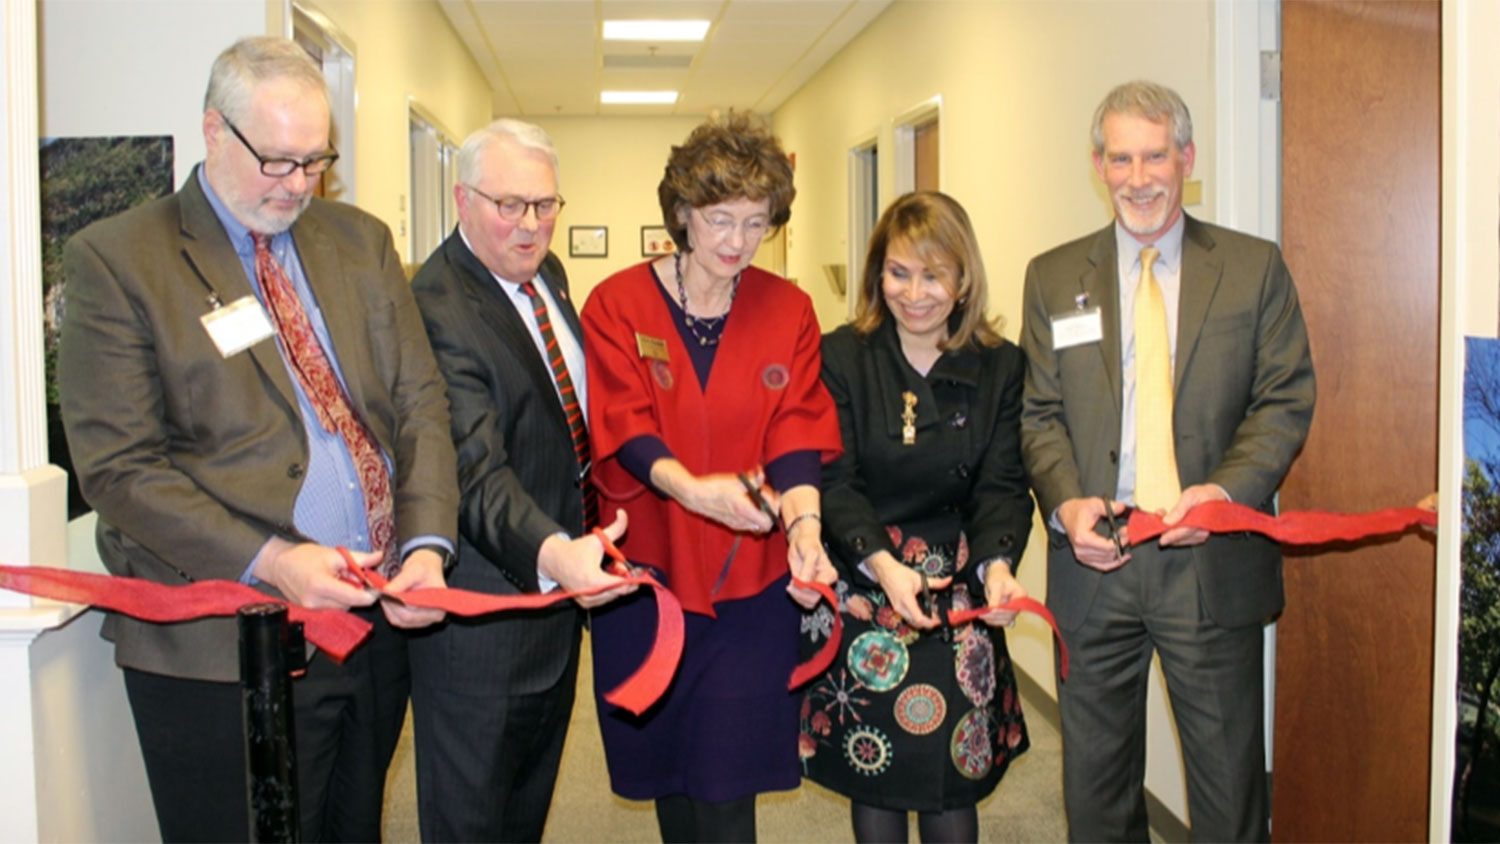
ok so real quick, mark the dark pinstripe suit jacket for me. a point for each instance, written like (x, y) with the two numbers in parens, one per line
(516, 474)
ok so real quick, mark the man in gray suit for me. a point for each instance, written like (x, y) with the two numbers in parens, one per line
(246, 384)
(1236, 377)
(491, 699)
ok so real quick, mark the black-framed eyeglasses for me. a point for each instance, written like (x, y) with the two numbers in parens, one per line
(513, 208)
(282, 167)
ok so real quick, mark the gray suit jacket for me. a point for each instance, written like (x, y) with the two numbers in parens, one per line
(517, 475)
(1244, 399)
(192, 460)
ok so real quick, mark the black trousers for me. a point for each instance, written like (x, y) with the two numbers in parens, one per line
(348, 720)
(487, 764)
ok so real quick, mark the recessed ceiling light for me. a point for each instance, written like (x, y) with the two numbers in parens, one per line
(655, 30)
(637, 97)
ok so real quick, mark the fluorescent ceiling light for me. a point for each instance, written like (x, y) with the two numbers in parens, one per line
(637, 97)
(655, 30)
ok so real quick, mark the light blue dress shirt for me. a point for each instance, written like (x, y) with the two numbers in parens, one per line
(330, 507)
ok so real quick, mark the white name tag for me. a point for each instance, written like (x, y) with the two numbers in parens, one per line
(1077, 328)
(237, 326)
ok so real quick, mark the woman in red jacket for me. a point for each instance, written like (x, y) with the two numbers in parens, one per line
(702, 368)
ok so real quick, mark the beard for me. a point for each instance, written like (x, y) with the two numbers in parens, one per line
(270, 220)
(1143, 223)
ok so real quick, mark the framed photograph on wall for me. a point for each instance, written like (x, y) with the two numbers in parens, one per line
(588, 241)
(656, 241)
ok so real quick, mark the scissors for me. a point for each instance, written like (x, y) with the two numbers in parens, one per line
(760, 500)
(1114, 526)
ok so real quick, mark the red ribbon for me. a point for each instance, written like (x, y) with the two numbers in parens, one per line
(1019, 605)
(636, 693)
(824, 657)
(335, 631)
(1300, 527)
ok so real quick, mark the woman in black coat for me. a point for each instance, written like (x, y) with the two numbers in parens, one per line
(927, 510)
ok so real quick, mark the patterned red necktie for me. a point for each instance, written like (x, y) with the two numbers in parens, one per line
(327, 396)
(572, 408)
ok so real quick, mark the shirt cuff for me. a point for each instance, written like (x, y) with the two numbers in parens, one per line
(543, 582)
(426, 539)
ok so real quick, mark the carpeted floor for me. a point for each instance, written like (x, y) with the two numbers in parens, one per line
(1026, 807)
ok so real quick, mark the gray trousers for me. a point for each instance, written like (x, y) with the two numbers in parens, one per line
(1215, 683)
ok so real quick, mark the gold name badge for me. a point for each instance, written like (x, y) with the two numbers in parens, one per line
(654, 348)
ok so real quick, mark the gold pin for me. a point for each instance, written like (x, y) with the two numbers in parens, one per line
(909, 419)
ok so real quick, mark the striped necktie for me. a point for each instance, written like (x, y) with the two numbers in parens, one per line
(1157, 486)
(572, 407)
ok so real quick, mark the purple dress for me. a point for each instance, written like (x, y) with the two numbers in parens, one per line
(727, 726)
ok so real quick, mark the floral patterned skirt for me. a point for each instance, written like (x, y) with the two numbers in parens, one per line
(910, 720)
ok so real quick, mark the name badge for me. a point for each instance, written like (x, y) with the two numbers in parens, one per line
(653, 348)
(237, 326)
(1077, 328)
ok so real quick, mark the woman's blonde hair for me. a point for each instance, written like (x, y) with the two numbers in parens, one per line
(938, 228)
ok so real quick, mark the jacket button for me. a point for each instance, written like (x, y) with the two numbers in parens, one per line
(858, 543)
(1114, 456)
(295, 471)
(959, 420)
(962, 471)
(1007, 540)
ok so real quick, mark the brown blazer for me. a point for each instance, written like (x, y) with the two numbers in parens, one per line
(1244, 391)
(192, 460)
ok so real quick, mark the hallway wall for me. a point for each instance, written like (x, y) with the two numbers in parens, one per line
(608, 170)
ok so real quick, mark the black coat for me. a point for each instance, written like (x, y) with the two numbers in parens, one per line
(963, 473)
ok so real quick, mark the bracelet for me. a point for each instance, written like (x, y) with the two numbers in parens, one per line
(808, 515)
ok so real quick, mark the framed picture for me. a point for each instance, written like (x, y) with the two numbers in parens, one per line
(588, 241)
(656, 241)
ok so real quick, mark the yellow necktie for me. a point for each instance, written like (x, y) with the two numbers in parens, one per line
(1157, 486)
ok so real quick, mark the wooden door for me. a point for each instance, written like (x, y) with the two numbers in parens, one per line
(1360, 181)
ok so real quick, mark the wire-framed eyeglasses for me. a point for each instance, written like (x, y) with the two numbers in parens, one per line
(513, 208)
(280, 168)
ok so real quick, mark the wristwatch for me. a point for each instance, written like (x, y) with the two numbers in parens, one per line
(449, 558)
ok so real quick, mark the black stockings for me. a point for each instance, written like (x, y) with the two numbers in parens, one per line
(888, 826)
(684, 820)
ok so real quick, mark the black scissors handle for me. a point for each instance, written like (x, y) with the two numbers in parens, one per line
(1114, 527)
(760, 500)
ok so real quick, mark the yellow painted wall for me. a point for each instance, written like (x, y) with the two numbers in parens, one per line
(403, 49)
(1019, 82)
(609, 168)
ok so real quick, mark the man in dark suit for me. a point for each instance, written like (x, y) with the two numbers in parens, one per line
(1169, 366)
(246, 384)
(491, 699)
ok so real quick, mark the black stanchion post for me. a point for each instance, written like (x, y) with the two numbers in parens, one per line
(270, 650)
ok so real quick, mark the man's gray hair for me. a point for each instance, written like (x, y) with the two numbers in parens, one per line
(527, 135)
(251, 61)
(1140, 98)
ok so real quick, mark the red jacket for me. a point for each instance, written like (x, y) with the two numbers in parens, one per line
(764, 400)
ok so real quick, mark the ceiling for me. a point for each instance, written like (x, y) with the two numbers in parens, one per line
(548, 57)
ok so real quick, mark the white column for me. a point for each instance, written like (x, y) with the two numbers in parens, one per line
(33, 505)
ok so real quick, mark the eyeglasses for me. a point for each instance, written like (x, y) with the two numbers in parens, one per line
(513, 208)
(722, 224)
(280, 168)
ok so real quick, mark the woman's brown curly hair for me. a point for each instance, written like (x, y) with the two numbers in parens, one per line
(724, 159)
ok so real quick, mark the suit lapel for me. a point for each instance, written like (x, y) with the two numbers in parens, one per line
(1101, 283)
(208, 249)
(1202, 268)
(498, 312)
(344, 315)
